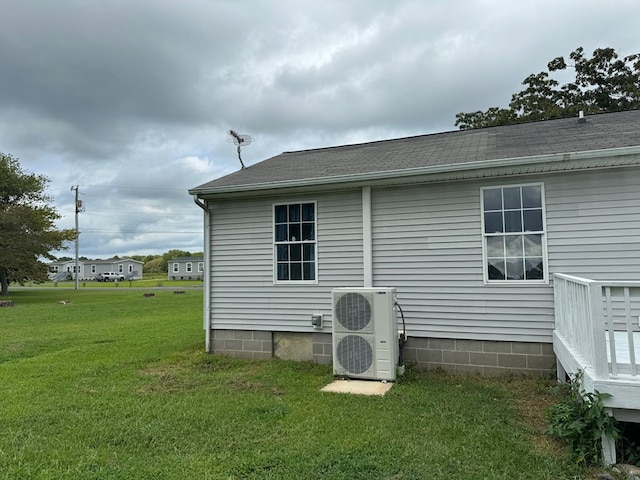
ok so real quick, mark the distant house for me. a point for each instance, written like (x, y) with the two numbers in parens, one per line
(186, 268)
(90, 269)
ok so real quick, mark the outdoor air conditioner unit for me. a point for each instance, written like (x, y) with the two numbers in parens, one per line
(365, 343)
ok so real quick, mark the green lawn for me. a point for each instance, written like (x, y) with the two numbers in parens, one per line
(114, 385)
(149, 282)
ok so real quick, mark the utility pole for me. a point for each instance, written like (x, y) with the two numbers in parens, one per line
(77, 207)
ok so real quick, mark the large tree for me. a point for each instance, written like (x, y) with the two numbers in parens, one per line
(27, 225)
(603, 83)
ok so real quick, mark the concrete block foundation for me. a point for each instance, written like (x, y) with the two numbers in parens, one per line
(484, 357)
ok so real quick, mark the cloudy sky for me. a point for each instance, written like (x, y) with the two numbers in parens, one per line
(132, 100)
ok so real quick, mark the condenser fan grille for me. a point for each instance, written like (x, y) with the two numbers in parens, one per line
(354, 354)
(353, 311)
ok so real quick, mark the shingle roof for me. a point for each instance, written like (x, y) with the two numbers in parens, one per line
(98, 261)
(567, 135)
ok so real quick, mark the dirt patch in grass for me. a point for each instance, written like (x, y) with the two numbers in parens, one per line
(242, 385)
(532, 411)
(532, 398)
(179, 377)
(165, 379)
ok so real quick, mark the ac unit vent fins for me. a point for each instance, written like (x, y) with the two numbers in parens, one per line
(355, 354)
(353, 311)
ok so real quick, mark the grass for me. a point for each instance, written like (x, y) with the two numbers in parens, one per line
(114, 385)
(148, 281)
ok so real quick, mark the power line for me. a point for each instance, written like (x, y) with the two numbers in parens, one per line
(136, 202)
(99, 213)
(124, 187)
(164, 232)
(121, 187)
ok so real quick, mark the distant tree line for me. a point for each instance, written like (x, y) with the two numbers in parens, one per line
(603, 83)
(160, 263)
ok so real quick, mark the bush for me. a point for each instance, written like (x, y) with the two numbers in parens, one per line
(580, 420)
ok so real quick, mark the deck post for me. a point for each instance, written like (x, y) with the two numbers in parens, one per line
(608, 446)
(559, 300)
(596, 323)
(561, 373)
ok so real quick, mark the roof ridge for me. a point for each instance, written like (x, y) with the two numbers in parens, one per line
(448, 132)
(371, 142)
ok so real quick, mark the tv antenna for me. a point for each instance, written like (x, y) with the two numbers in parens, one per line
(240, 141)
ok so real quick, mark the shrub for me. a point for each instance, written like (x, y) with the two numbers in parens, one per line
(580, 420)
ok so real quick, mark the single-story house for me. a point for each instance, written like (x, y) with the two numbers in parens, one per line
(186, 268)
(468, 226)
(89, 269)
(511, 248)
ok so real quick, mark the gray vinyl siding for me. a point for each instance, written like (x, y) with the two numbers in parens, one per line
(244, 295)
(594, 225)
(436, 263)
(427, 242)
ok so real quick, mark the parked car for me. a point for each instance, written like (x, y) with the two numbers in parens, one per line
(110, 277)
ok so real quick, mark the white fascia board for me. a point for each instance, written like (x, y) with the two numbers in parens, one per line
(555, 159)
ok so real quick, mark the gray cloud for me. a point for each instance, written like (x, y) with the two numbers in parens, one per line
(132, 100)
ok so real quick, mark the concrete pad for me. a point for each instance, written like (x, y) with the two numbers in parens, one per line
(358, 387)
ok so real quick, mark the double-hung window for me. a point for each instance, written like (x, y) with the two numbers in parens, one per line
(294, 234)
(513, 230)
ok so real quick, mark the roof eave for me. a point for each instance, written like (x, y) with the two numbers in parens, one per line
(554, 162)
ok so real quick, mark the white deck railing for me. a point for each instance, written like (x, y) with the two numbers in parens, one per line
(599, 321)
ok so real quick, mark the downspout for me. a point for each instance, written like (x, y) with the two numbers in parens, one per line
(367, 255)
(206, 307)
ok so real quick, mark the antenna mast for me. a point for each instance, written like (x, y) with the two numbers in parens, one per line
(240, 141)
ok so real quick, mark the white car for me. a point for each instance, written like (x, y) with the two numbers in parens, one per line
(110, 277)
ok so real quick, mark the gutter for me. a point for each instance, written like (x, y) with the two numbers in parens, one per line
(206, 302)
(555, 158)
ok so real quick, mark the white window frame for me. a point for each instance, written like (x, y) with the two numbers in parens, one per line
(189, 267)
(93, 269)
(120, 268)
(200, 267)
(543, 234)
(130, 268)
(176, 268)
(314, 242)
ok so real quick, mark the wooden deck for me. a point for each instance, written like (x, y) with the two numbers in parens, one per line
(623, 352)
(586, 313)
